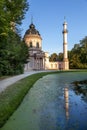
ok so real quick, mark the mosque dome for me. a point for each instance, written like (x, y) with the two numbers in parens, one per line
(32, 30)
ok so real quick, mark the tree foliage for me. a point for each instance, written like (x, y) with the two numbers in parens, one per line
(13, 55)
(13, 51)
(56, 57)
(53, 57)
(60, 57)
(12, 13)
(78, 55)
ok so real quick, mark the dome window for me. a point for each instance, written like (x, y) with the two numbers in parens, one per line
(37, 45)
(30, 44)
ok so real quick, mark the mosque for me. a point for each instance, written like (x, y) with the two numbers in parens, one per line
(38, 59)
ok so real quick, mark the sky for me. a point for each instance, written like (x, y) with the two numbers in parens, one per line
(48, 17)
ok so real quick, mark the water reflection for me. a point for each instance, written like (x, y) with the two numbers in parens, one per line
(66, 97)
(80, 88)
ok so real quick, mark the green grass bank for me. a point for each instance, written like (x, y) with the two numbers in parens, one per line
(11, 98)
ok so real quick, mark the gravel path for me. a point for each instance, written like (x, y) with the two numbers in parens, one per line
(8, 81)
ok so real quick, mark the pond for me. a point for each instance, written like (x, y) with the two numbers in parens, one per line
(52, 104)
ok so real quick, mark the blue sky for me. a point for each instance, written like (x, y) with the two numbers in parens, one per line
(48, 18)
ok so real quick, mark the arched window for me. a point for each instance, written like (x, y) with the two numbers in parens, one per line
(37, 45)
(30, 44)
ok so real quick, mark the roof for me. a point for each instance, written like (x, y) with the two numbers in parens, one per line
(32, 30)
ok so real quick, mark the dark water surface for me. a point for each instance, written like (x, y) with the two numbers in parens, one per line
(50, 106)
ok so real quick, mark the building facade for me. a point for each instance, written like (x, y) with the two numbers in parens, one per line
(38, 59)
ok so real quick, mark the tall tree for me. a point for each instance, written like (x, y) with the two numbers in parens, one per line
(83, 46)
(78, 55)
(12, 12)
(13, 52)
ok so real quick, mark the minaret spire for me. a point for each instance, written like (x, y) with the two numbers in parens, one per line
(65, 54)
(64, 18)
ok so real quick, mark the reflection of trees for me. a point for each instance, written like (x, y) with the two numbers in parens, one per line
(80, 88)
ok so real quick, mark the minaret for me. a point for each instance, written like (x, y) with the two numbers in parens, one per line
(65, 55)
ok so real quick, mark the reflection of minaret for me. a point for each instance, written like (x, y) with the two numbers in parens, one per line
(66, 97)
(65, 55)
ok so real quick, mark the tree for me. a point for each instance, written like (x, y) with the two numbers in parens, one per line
(78, 55)
(13, 56)
(53, 57)
(60, 57)
(12, 13)
(4, 20)
(13, 52)
(83, 55)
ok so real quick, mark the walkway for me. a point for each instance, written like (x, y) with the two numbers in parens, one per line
(8, 81)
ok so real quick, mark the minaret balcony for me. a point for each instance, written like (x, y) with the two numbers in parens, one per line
(65, 31)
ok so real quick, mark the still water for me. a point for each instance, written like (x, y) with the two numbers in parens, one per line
(52, 104)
